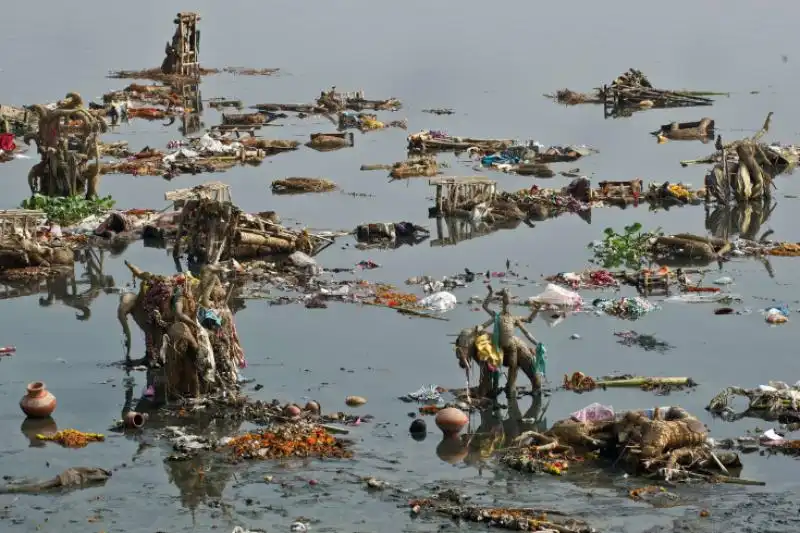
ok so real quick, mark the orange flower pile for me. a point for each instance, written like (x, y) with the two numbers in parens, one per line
(636, 494)
(386, 295)
(289, 441)
(579, 382)
(785, 249)
(72, 438)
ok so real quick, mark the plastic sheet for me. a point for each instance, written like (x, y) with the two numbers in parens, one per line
(557, 296)
(439, 301)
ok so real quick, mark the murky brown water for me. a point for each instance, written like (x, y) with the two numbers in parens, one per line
(491, 65)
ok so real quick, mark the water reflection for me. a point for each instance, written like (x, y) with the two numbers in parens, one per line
(75, 292)
(743, 219)
(67, 289)
(37, 426)
(199, 478)
(192, 108)
(492, 434)
(462, 229)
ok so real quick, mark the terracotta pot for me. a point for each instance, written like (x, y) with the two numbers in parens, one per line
(39, 402)
(451, 420)
(313, 407)
(292, 411)
(38, 426)
(134, 420)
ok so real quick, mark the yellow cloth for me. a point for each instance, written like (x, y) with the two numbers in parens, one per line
(486, 351)
(369, 123)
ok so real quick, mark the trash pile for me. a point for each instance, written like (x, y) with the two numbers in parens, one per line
(196, 156)
(774, 401)
(587, 279)
(332, 102)
(413, 167)
(631, 92)
(529, 159)
(625, 307)
(668, 443)
(302, 185)
(513, 519)
(366, 122)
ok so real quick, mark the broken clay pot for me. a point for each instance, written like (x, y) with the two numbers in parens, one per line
(134, 420)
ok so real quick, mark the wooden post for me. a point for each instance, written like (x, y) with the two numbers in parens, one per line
(439, 200)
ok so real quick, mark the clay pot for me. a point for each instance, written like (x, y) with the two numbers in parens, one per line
(134, 420)
(451, 420)
(292, 411)
(38, 426)
(38, 402)
(355, 401)
(313, 407)
(451, 450)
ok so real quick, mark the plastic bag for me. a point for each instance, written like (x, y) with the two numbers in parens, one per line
(439, 301)
(557, 296)
(595, 412)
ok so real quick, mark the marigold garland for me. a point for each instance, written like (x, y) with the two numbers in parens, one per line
(72, 438)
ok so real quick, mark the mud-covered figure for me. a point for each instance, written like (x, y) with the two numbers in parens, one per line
(71, 478)
(515, 353)
(64, 169)
(188, 329)
(162, 306)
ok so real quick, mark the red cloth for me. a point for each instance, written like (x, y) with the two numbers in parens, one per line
(7, 142)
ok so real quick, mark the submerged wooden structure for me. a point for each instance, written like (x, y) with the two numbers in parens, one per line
(456, 195)
(182, 53)
(215, 229)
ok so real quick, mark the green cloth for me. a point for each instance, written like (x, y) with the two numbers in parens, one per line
(540, 362)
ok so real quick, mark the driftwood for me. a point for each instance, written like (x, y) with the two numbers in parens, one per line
(302, 185)
(325, 142)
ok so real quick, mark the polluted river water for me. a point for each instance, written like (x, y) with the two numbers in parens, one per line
(493, 72)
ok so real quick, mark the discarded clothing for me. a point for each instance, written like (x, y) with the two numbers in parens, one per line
(7, 143)
(209, 318)
(487, 352)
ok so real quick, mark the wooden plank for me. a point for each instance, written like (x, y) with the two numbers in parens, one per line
(455, 180)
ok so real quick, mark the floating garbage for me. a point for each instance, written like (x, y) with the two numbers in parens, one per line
(625, 307)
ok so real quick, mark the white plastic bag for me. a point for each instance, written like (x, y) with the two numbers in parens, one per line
(557, 296)
(595, 412)
(439, 301)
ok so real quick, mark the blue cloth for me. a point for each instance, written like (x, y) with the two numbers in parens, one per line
(208, 318)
